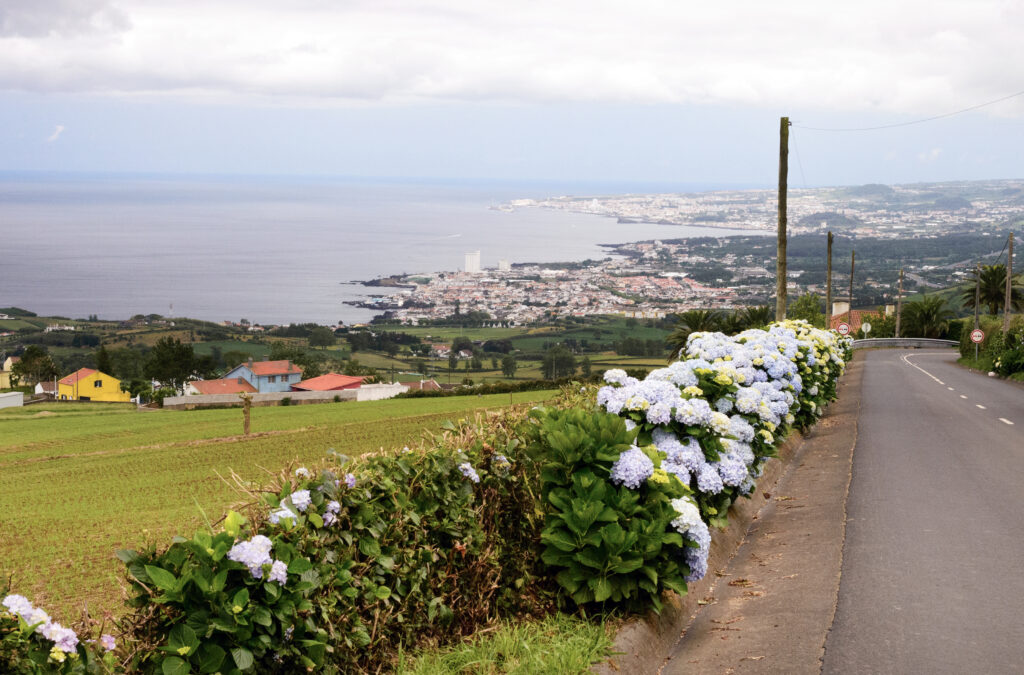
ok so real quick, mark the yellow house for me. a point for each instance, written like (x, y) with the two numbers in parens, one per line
(5, 371)
(87, 384)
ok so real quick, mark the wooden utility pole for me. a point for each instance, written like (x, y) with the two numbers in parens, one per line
(899, 306)
(246, 407)
(849, 310)
(780, 263)
(1009, 287)
(828, 284)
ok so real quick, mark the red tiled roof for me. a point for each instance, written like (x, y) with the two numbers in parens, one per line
(272, 367)
(79, 374)
(855, 318)
(329, 382)
(234, 385)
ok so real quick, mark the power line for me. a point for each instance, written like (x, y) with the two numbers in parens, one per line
(800, 164)
(920, 121)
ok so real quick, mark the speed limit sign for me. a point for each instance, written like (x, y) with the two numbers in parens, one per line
(977, 336)
(843, 328)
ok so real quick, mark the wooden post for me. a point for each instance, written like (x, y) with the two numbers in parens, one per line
(1009, 287)
(899, 306)
(246, 406)
(828, 284)
(849, 311)
(780, 264)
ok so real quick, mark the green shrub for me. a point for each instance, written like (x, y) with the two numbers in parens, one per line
(287, 400)
(604, 542)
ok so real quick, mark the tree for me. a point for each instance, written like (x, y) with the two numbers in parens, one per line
(104, 363)
(35, 366)
(558, 362)
(693, 321)
(808, 307)
(928, 317)
(477, 363)
(509, 366)
(585, 366)
(453, 359)
(321, 337)
(758, 316)
(421, 367)
(494, 363)
(993, 289)
(171, 362)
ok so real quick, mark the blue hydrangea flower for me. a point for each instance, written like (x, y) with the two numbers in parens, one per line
(278, 572)
(469, 472)
(632, 468)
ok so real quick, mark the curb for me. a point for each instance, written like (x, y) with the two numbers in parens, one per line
(641, 644)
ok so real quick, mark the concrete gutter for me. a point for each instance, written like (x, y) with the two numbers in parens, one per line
(642, 645)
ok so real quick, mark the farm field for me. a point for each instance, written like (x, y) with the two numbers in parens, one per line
(78, 481)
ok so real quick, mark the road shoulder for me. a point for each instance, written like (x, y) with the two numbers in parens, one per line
(771, 607)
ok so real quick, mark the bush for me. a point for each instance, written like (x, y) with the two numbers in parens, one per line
(287, 400)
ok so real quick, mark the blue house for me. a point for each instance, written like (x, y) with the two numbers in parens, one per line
(267, 376)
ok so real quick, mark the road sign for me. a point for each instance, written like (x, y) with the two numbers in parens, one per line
(843, 328)
(977, 336)
(866, 327)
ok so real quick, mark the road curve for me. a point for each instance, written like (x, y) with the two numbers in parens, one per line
(931, 574)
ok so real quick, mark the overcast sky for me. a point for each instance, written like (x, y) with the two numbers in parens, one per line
(656, 92)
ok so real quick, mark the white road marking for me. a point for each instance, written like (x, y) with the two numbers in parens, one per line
(1005, 421)
(951, 388)
(980, 406)
(907, 361)
(962, 396)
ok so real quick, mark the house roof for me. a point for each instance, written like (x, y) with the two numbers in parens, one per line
(854, 317)
(272, 367)
(234, 385)
(329, 382)
(424, 385)
(79, 374)
(47, 387)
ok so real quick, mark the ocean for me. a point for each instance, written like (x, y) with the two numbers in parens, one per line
(270, 250)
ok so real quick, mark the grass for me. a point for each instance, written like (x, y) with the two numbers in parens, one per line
(255, 349)
(557, 645)
(78, 481)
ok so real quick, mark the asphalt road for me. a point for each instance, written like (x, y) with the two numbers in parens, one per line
(933, 561)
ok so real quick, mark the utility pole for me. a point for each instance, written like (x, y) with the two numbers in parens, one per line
(828, 284)
(853, 258)
(1009, 287)
(977, 303)
(780, 263)
(899, 306)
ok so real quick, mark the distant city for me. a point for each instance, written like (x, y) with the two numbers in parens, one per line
(937, 232)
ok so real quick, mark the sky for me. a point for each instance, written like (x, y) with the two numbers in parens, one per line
(641, 92)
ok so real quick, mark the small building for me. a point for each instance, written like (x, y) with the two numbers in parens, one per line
(5, 371)
(422, 385)
(267, 376)
(86, 384)
(329, 382)
(47, 389)
(234, 385)
(14, 399)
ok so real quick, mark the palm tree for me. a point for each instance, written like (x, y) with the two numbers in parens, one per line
(758, 316)
(693, 321)
(993, 289)
(732, 323)
(928, 317)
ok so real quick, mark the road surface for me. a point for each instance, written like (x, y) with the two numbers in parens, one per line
(933, 561)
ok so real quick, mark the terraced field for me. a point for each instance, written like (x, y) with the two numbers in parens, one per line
(78, 481)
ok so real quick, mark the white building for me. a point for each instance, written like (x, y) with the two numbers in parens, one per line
(504, 266)
(473, 262)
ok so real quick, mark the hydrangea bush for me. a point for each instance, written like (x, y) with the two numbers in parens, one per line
(687, 441)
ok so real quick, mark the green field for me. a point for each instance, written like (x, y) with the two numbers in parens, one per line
(78, 481)
(255, 349)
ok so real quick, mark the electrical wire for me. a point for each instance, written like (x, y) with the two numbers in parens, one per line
(800, 164)
(920, 121)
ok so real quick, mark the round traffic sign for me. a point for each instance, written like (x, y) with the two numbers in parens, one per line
(866, 327)
(843, 328)
(977, 336)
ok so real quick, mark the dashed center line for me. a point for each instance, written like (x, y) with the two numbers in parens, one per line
(980, 406)
(962, 396)
(1005, 421)
(914, 365)
(950, 388)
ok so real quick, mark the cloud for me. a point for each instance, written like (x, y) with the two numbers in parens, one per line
(57, 131)
(874, 56)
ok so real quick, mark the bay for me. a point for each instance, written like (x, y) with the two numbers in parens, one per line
(270, 250)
